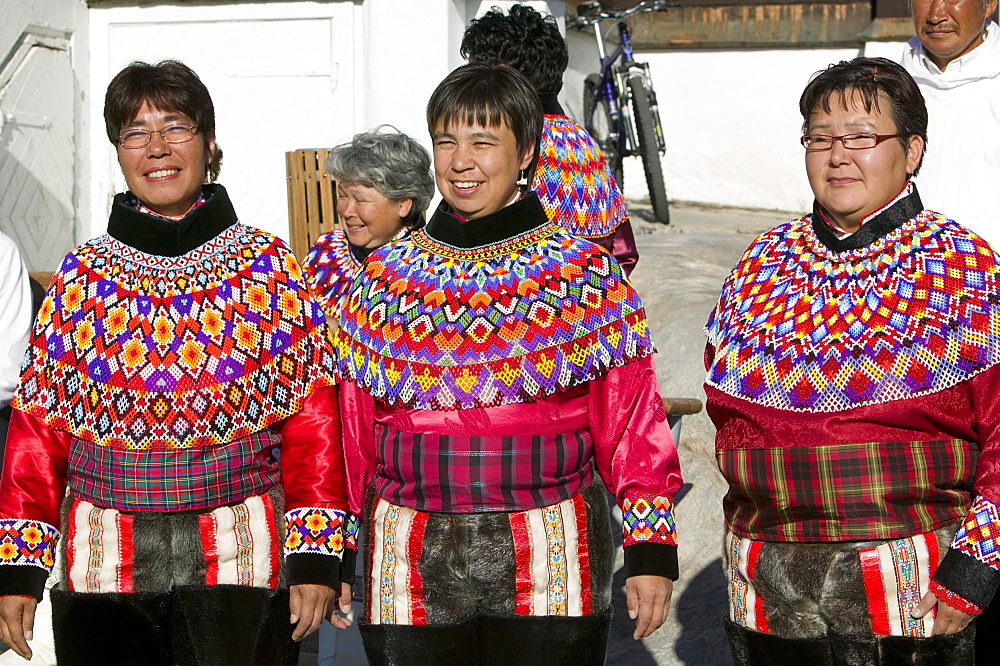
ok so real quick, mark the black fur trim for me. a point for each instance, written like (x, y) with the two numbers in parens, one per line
(313, 569)
(968, 577)
(753, 648)
(952, 649)
(888, 220)
(166, 238)
(347, 566)
(218, 625)
(111, 628)
(988, 633)
(419, 645)
(544, 640)
(23, 581)
(651, 559)
(517, 218)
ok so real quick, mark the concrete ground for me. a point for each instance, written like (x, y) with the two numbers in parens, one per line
(680, 271)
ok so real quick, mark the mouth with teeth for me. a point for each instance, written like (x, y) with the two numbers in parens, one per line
(465, 186)
(162, 173)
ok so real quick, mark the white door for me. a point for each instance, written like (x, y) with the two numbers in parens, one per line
(37, 156)
(280, 76)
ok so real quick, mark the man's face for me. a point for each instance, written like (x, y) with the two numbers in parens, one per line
(950, 28)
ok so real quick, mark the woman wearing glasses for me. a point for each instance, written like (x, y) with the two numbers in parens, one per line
(171, 360)
(852, 372)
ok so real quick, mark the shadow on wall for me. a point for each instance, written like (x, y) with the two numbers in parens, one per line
(700, 611)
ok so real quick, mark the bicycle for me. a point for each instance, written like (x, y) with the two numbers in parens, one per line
(607, 97)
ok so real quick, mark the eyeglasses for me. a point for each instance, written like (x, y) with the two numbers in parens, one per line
(815, 143)
(139, 138)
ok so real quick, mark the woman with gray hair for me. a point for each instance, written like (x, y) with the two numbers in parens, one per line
(384, 185)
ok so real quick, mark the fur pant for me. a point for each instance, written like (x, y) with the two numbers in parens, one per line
(837, 603)
(482, 589)
(178, 588)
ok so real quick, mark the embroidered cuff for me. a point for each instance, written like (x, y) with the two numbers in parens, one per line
(352, 526)
(648, 519)
(315, 531)
(967, 578)
(979, 535)
(954, 600)
(28, 542)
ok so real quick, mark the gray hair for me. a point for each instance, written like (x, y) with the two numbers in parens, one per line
(391, 162)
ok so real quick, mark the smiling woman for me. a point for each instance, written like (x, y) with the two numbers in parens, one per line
(853, 359)
(172, 359)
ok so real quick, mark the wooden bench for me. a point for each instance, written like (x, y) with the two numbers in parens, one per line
(312, 198)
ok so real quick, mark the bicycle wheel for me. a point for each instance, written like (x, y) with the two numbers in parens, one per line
(646, 131)
(597, 111)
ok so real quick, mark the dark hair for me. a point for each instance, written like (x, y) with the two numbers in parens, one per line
(864, 79)
(488, 95)
(389, 161)
(524, 39)
(169, 85)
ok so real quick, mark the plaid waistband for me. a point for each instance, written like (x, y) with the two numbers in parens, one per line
(847, 492)
(464, 474)
(173, 479)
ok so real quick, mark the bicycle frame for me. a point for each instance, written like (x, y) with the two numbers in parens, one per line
(614, 88)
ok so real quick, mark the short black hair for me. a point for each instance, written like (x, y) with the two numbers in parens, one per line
(866, 78)
(169, 85)
(523, 38)
(488, 95)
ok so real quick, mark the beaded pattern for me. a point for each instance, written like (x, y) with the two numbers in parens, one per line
(330, 269)
(648, 519)
(979, 535)
(429, 331)
(133, 350)
(315, 530)
(956, 601)
(27, 542)
(574, 183)
(801, 327)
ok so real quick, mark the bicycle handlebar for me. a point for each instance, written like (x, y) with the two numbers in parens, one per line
(591, 16)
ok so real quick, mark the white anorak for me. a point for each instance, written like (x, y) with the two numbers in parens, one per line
(960, 175)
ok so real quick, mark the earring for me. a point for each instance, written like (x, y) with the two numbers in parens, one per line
(522, 178)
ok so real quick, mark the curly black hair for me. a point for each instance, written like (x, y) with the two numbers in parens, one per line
(523, 39)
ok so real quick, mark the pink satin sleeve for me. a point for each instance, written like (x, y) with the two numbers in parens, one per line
(34, 470)
(357, 417)
(621, 245)
(986, 408)
(312, 456)
(633, 447)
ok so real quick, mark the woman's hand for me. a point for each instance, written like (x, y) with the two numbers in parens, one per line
(947, 621)
(309, 604)
(648, 601)
(17, 618)
(343, 603)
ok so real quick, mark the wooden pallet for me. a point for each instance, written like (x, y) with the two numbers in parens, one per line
(312, 200)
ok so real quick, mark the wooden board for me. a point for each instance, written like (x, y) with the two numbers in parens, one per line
(312, 206)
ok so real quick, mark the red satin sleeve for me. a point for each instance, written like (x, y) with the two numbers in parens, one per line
(312, 455)
(357, 413)
(986, 410)
(621, 245)
(633, 447)
(34, 470)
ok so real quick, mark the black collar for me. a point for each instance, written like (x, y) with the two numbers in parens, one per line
(550, 104)
(513, 220)
(166, 238)
(888, 220)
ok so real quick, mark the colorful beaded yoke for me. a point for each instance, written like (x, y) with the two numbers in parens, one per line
(134, 350)
(574, 183)
(330, 268)
(801, 327)
(431, 326)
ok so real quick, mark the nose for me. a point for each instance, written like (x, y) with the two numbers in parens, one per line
(936, 12)
(346, 209)
(157, 147)
(461, 158)
(839, 154)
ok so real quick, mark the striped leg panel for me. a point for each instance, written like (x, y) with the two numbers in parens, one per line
(98, 549)
(896, 575)
(396, 594)
(240, 544)
(746, 608)
(552, 561)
